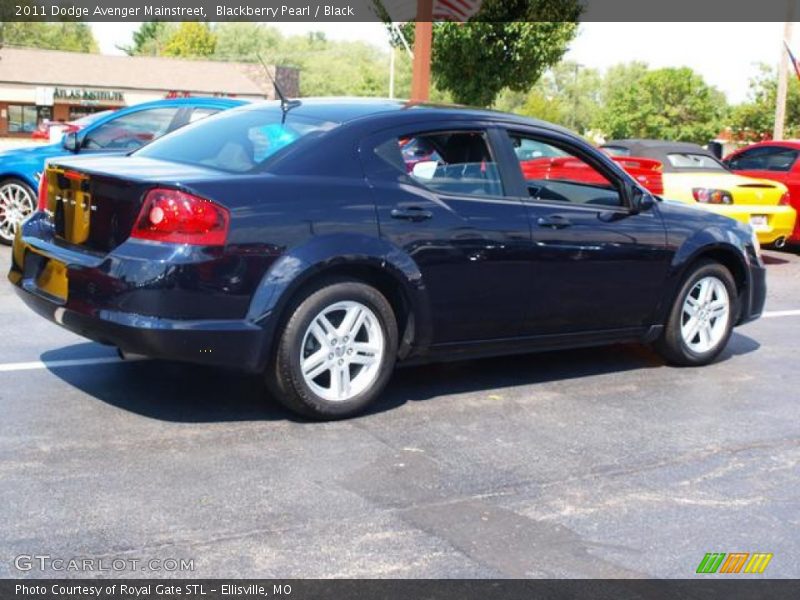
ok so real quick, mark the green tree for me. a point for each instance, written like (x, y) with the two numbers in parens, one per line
(509, 43)
(245, 41)
(191, 40)
(670, 103)
(577, 92)
(546, 108)
(70, 35)
(568, 94)
(754, 119)
(622, 76)
(334, 68)
(150, 39)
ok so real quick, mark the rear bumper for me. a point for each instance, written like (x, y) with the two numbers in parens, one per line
(234, 344)
(780, 219)
(184, 307)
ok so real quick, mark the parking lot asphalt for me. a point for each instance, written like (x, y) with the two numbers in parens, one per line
(591, 463)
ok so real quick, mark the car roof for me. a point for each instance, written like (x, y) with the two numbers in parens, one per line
(663, 146)
(794, 144)
(660, 150)
(222, 102)
(345, 110)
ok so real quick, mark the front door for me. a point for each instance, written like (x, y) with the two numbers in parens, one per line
(598, 266)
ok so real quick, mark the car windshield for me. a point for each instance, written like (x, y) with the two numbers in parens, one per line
(235, 141)
(688, 160)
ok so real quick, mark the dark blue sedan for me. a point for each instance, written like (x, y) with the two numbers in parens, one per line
(305, 242)
(116, 132)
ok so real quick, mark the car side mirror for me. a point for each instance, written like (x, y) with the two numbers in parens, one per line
(640, 200)
(70, 141)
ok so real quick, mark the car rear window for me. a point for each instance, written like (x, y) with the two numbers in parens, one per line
(688, 160)
(238, 141)
(616, 151)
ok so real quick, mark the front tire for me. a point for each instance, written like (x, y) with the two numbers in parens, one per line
(702, 316)
(17, 201)
(336, 352)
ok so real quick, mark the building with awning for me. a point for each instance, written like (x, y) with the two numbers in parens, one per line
(38, 85)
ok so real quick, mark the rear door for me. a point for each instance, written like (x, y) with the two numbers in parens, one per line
(597, 265)
(440, 196)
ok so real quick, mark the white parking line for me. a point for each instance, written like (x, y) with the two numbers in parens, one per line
(85, 362)
(780, 313)
(56, 364)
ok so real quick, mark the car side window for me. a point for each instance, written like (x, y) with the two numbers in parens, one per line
(764, 158)
(131, 131)
(553, 174)
(454, 162)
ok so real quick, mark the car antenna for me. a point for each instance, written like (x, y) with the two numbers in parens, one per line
(286, 104)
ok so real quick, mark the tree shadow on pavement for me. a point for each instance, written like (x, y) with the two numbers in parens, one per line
(189, 393)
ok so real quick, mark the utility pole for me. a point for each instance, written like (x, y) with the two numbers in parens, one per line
(574, 116)
(391, 72)
(783, 81)
(423, 36)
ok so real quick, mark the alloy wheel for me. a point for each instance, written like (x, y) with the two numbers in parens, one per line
(16, 203)
(705, 315)
(342, 351)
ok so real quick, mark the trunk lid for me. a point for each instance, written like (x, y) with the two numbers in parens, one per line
(744, 190)
(93, 203)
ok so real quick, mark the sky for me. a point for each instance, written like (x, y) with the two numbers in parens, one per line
(725, 54)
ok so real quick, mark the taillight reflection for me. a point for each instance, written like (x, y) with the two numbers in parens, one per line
(42, 202)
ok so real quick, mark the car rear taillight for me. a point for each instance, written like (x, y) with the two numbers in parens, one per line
(712, 196)
(175, 217)
(42, 203)
(785, 200)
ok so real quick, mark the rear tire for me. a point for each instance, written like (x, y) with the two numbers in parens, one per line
(17, 202)
(336, 352)
(701, 320)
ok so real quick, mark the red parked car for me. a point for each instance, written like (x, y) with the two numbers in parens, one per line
(646, 171)
(772, 160)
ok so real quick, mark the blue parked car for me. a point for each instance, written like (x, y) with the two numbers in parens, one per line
(118, 132)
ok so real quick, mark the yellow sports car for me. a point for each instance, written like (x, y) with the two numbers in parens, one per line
(692, 174)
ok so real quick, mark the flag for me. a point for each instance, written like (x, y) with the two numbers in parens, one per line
(401, 11)
(795, 64)
(456, 10)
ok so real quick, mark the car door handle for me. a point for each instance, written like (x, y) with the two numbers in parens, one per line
(553, 222)
(411, 213)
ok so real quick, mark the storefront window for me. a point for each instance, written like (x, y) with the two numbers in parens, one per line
(25, 119)
(78, 112)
